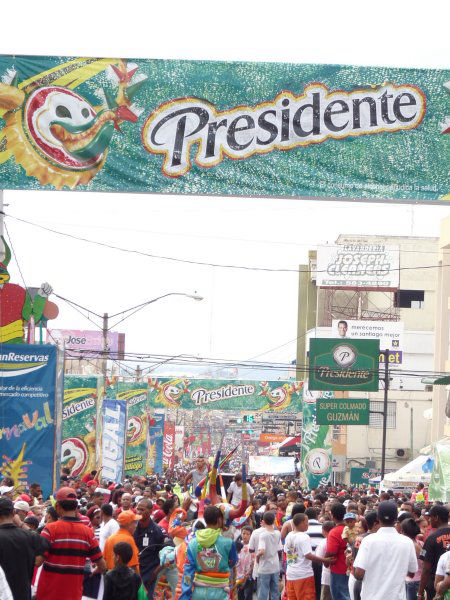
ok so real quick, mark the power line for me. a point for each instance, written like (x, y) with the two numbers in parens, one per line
(197, 262)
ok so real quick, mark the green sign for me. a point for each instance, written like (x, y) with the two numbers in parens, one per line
(198, 127)
(79, 414)
(337, 364)
(222, 394)
(348, 411)
(316, 443)
(136, 398)
(361, 475)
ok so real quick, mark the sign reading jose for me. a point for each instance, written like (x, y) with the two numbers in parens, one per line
(340, 365)
(88, 344)
(187, 127)
(368, 266)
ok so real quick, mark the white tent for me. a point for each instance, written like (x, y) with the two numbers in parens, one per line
(417, 471)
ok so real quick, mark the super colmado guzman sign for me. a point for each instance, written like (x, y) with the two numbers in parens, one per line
(287, 122)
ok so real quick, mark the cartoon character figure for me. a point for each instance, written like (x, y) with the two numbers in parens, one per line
(279, 398)
(55, 134)
(169, 392)
(136, 430)
(16, 305)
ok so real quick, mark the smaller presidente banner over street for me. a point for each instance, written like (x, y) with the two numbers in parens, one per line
(340, 365)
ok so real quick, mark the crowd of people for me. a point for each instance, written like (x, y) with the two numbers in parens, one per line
(152, 537)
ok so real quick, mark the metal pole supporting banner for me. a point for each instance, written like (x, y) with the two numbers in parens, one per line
(105, 346)
(385, 353)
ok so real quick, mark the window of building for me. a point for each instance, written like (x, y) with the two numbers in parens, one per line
(409, 299)
(376, 418)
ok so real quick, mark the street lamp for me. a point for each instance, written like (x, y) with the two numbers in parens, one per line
(133, 309)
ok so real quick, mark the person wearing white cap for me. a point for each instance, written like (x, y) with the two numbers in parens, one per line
(21, 508)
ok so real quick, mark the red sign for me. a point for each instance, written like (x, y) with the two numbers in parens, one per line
(169, 444)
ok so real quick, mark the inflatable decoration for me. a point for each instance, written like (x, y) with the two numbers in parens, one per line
(16, 305)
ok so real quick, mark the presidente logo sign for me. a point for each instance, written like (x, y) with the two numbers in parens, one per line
(341, 365)
(13, 364)
(289, 121)
(61, 137)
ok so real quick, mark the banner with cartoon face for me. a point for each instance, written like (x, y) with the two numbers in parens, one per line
(222, 394)
(79, 414)
(222, 128)
(138, 414)
(316, 443)
(27, 415)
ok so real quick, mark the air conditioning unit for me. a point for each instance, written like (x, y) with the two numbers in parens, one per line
(403, 453)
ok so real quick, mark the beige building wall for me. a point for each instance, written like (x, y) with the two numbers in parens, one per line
(440, 425)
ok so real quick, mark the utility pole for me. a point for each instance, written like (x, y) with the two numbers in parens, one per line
(105, 345)
(385, 353)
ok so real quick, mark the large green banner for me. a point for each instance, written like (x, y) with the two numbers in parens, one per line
(79, 414)
(222, 394)
(219, 128)
(316, 443)
(135, 396)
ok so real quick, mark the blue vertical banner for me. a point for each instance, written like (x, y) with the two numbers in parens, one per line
(155, 443)
(27, 414)
(113, 438)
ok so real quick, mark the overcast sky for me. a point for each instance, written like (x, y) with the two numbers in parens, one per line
(244, 313)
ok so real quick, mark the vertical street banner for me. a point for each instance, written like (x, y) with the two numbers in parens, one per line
(316, 457)
(155, 443)
(27, 414)
(179, 442)
(79, 417)
(134, 394)
(113, 438)
(169, 444)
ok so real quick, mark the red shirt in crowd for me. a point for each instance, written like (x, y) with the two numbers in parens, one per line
(337, 545)
(71, 543)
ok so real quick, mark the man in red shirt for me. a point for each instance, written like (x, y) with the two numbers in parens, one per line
(71, 543)
(336, 548)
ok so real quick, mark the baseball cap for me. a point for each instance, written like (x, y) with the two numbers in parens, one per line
(349, 516)
(24, 497)
(91, 512)
(92, 482)
(21, 505)
(127, 516)
(65, 493)
(387, 512)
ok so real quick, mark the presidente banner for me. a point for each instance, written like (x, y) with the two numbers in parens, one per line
(222, 394)
(27, 414)
(79, 423)
(198, 127)
(113, 438)
(340, 364)
(135, 396)
(316, 457)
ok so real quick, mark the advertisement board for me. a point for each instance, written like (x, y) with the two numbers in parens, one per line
(222, 394)
(88, 344)
(367, 266)
(337, 364)
(272, 465)
(169, 444)
(362, 475)
(272, 437)
(113, 438)
(79, 414)
(155, 444)
(316, 456)
(135, 395)
(198, 127)
(27, 414)
(349, 411)
(390, 334)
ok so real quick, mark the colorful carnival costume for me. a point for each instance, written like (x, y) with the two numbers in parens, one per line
(210, 558)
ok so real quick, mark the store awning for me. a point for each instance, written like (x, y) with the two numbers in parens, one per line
(291, 441)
